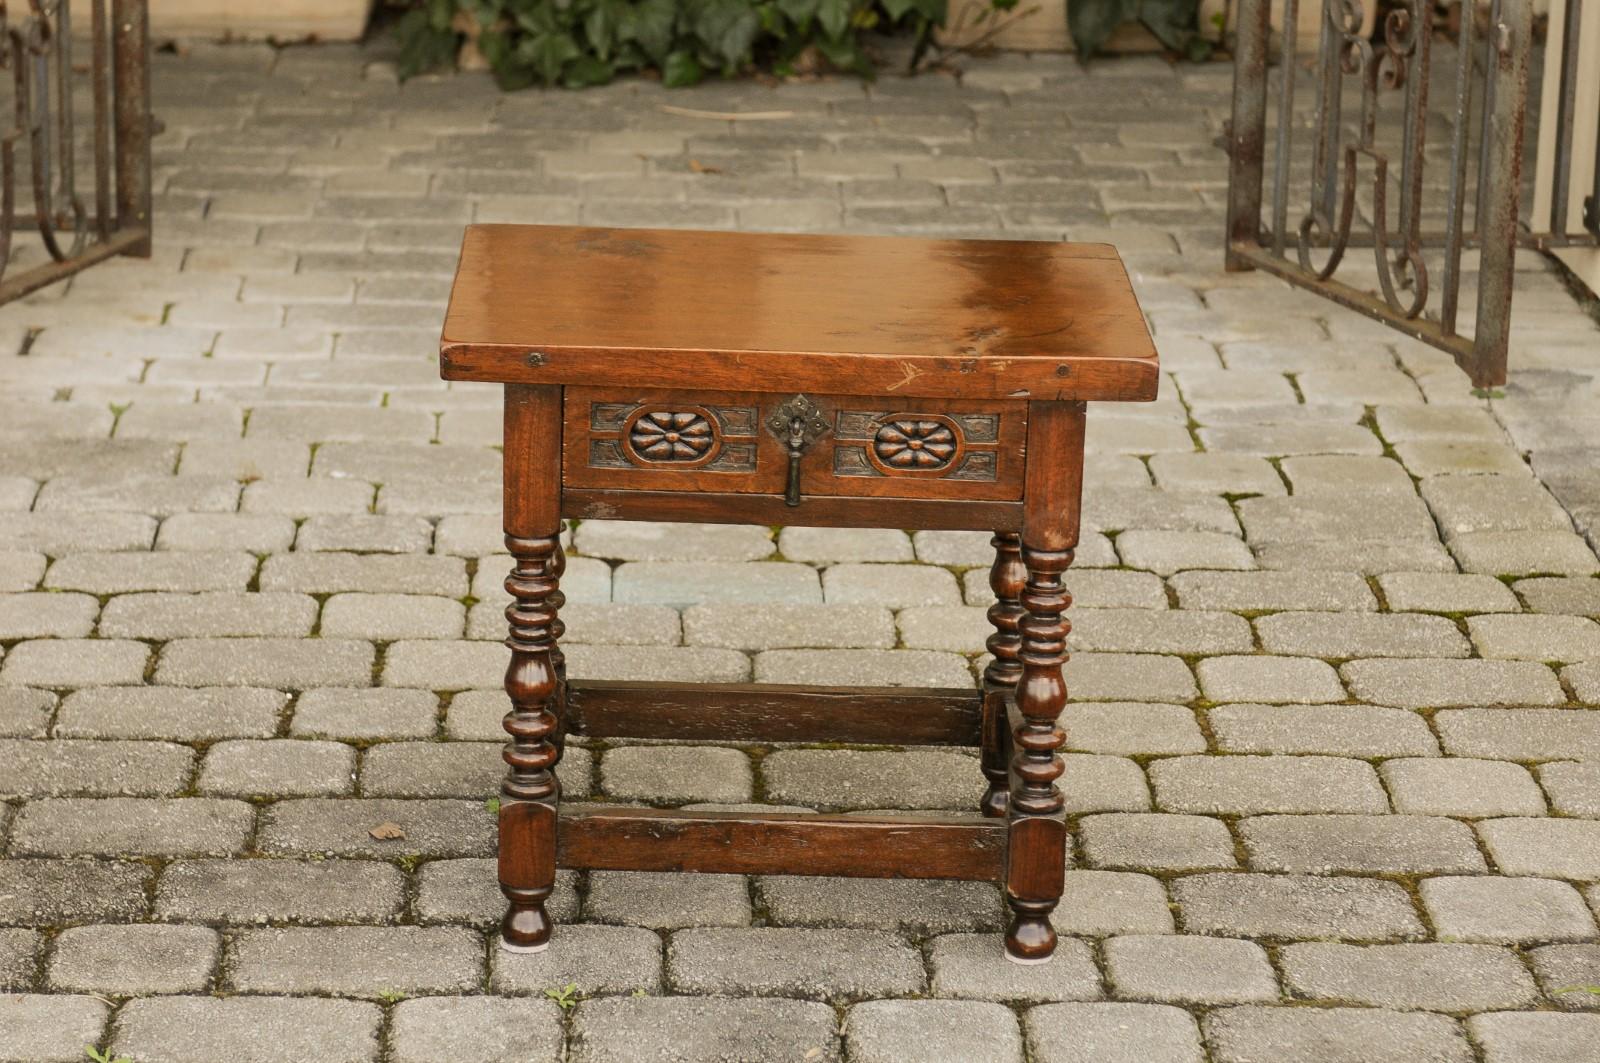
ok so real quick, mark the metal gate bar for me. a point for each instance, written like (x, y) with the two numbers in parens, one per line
(1349, 154)
(36, 47)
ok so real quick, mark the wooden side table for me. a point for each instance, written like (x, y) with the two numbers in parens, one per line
(807, 380)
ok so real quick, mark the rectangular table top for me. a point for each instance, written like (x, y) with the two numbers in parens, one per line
(558, 304)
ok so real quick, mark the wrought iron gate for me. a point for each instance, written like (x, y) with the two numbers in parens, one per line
(39, 153)
(1458, 196)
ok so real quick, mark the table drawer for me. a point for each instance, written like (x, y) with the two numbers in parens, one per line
(716, 441)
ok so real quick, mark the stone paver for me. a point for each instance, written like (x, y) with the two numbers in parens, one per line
(1331, 738)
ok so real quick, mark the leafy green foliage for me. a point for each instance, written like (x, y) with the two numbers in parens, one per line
(1175, 23)
(588, 42)
(566, 997)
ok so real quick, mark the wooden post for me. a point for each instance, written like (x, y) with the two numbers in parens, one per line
(531, 794)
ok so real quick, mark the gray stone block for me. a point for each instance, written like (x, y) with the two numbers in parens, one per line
(53, 892)
(1535, 638)
(1156, 842)
(1537, 1037)
(161, 616)
(620, 540)
(292, 664)
(467, 891)
(277, 768)
(1525, 734)
(35, 1028)
(862, 779)
(894, 586)
(134, 960)
(1169, 552)
(957, 628)
(1128, 728)
(1333, 1035)
(932, 1031)
(1395, 844)
(1574, 788)
(1369, 557)
(1524, 553)
(1296, 906)
(1102, 903)
(25, 713)
(829, 965)
(20, 570)
(974, 966)
(1473, 503)
(1360, 635)
(199, 715)
(456, 769)
(1445, 592)
(1509, 911)
(684, 583)
(340, 827)
(873, 668)
(358, 713)
(1555, 594)
(19, 950)
(1167, 968)
(1245, 785)
(332, 573)
(265, 1029)
(183, 571)
(1261, 678)
(388, 617)
(850, 544)
(1159, 631)
(1113, 1033)
(255, 892)
(689, 1028)
(475, 1030)
(778, 625)
(1454, 786)
(919, 907)
(42, 615)
(129, 826)
(355, 961)
(1584, 679)
(365, 533)
(69, 767)
(1548, 847)
(213, 532)
(61, 663)
(676, 774)
(1567, 974)
(600, 960)
(1430, 684)
(1422, 977)
(59, 534)
(659, 664)
(1129, 677)
(667, 900)
(1251, 591)
(1334, 730)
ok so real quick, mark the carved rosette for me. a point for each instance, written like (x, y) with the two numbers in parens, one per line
(920, 445)
(669, 436)
(685, 437)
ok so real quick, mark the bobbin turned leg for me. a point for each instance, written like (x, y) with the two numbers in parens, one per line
(1036, 836)
(1006, 578)
(530, 795)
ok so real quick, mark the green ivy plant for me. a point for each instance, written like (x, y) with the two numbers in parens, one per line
(1175, 23)
(588, 42)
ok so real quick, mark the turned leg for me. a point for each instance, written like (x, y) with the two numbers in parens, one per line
(531, 794)
(1036, 835)
(1006, 578)
(1036, 860)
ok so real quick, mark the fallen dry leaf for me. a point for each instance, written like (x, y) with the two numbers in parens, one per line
(388, 832)
(697, 166)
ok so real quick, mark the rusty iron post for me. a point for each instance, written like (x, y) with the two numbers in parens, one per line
(1510, 44)
(131, 74)
(1247, 131)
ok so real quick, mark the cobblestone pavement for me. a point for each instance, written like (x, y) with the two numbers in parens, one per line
(1335, 739)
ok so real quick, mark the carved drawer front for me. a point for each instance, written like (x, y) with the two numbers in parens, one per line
(720, 441)
(660, 440)
(926, 448)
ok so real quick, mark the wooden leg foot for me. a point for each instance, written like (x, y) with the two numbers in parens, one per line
(526, 927)
(1031, 940)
